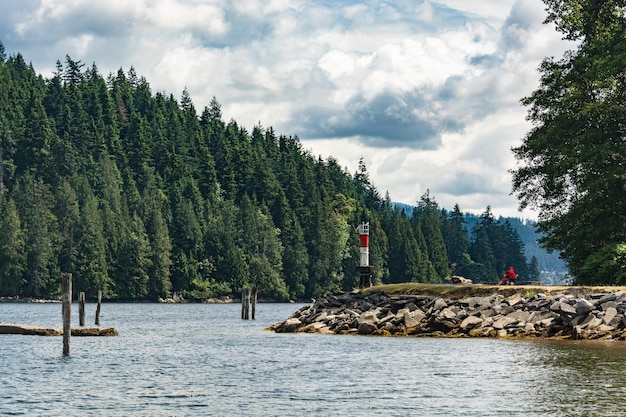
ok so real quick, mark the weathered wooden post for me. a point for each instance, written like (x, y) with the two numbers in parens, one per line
(245, 304)
(66, 299)
(254, 297)
(98, 308)
(81, 309)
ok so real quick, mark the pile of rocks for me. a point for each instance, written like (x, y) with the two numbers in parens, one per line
(593, 316)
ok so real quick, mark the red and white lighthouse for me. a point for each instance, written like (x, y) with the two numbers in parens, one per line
(364, 240)
(364, 268)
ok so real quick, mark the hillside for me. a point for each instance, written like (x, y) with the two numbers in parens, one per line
(140, 195)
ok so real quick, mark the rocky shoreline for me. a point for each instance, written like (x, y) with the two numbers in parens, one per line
(18, 299)
(564, 315)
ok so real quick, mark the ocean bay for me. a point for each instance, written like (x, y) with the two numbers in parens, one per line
(202, 359)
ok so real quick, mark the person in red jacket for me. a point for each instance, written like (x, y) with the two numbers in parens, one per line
(509, 277)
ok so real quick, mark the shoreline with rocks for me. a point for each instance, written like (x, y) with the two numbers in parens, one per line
(565, 314)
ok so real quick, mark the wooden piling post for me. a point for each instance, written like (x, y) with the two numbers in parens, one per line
(81, 309)
(254, 297)
(98, 308)
(248, 296)
(66, 298)
(245, 304)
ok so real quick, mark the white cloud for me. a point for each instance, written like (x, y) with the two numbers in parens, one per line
(498, 9)
(427, 92)
(185, 16)
(337, 64)
(425, 11)
(258, 9)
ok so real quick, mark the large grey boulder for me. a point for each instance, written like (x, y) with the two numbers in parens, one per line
(583, 306)
(503, 322)
(519, 315)
(439, 304)
(413, 318)
(609, 315)
(514, 299)
(288, 326)
(470, 322)
(366, 328)
(567, 308)
(369, 317)
(456, 280)
(447, 313)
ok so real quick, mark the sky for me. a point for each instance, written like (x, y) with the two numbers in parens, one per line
(426, 92)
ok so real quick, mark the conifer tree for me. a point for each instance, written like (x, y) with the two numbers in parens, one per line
(295, 256)
(365, 189)
(67, 212)
(154, 212)
(482, 249)
(457, 241)
(223, 246)
(33, 149)
(90, 268)
(427, 215)
(263, 250)
(406, 261)
(514, 252)
(12, 254)
(34, 202)
(138, 251)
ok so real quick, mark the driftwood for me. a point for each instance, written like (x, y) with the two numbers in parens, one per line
(24, 329)
(94, 331)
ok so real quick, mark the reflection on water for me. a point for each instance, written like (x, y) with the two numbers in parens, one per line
(580, 378)
(203, 360)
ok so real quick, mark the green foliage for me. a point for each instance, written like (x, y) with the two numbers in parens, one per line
(495, 245)
(427, 218)
(12, 255)
(41, 236)
(455, 236)
(140, 197)
(574, 156)
(203, 289)
(405, 256)
(90, 269)
(606, 266)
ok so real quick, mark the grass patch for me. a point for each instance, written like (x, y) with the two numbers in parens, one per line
(456, 292)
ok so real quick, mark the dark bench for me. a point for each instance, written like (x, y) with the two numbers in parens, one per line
(517, 282)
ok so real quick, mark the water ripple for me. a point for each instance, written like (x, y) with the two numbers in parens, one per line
(188, 360)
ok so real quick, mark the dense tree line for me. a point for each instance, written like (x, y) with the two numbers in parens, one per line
(139, 195)
(574, 158)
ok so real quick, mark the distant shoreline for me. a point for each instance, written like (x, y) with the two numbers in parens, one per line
(171, 300)
(29, 300)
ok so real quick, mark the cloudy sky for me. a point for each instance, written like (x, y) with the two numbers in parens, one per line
(425, 91)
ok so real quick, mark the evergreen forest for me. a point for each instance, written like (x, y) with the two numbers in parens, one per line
(141, 195)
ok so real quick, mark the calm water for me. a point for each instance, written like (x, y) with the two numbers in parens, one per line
(201, 359)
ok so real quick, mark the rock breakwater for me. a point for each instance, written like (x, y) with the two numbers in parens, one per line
(563, 315)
